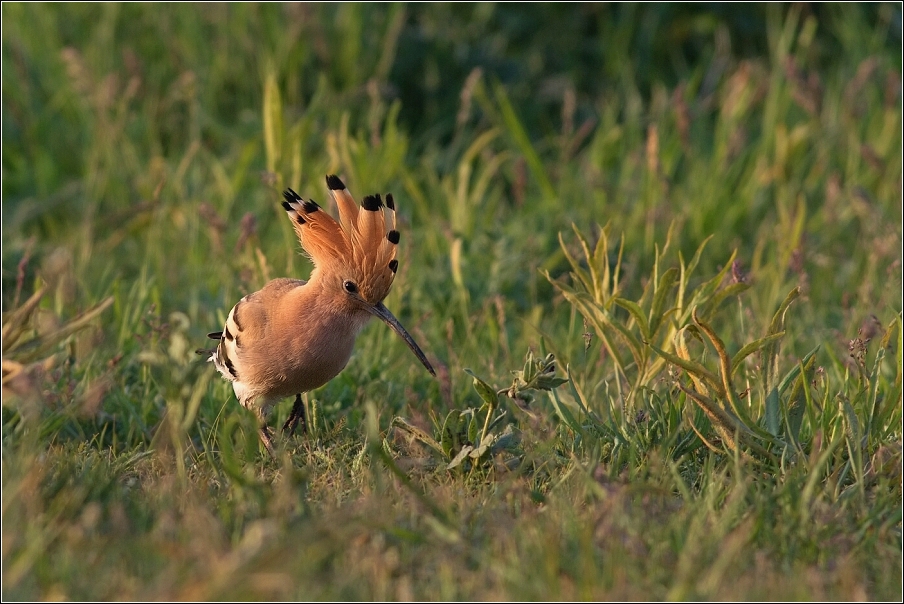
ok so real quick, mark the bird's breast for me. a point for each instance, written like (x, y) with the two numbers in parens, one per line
(318, 349)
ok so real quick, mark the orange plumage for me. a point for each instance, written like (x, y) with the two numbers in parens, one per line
(293, 336)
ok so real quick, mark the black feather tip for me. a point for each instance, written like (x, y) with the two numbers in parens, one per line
(372, 203)
(334, 183)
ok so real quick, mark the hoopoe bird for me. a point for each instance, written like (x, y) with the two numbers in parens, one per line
(293, 336)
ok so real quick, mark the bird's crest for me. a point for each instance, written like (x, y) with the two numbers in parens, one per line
(361, 246)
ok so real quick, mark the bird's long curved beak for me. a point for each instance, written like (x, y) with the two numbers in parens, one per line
(381, 312)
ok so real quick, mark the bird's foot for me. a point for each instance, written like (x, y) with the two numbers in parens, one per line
(267, 439)
(296, 417)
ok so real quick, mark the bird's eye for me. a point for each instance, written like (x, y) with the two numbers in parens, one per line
(350, 287)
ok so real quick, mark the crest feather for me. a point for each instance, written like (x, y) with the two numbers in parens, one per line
(348, 209)
(363, 241)
(320, 235)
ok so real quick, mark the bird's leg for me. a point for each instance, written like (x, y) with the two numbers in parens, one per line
(297, 416)
(267, 439)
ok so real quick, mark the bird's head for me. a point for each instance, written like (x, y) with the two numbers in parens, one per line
(355, 257)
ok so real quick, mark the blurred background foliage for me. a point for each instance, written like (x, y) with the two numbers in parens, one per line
(183, 75)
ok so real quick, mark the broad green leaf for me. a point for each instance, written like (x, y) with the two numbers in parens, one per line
(576, 269)
(791, 375)
(598, 317)
(507, 440)
(576, 392)
(462, 455)
(547, 382)
(705, 291)
(473, 427)
(662, 290)
(495, 421)
(771, 351)
(749, 349)
(597, 290)
(687, 271)
(483, 447)
(449, 437)
(799, 398)
(638, 314)
(689, 366)
(565, 414)
(728, 390)
(773, 413)
(486, 392)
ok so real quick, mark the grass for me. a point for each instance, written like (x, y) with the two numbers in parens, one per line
(696, 212)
